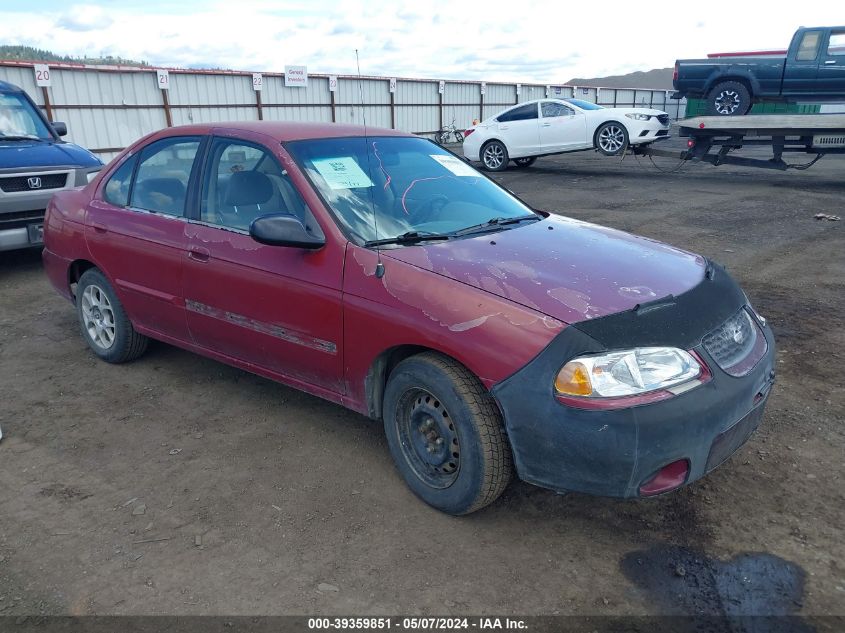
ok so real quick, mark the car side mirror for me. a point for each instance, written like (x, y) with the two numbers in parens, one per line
(284, 230)
(59, 128)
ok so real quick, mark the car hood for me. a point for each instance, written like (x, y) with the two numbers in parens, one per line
(20, 154)
(564, 268)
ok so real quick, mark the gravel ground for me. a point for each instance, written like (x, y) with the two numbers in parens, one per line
(177, 485)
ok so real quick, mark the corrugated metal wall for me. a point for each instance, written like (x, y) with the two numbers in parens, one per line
(108, 108)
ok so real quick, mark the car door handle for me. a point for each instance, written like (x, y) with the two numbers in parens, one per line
(199, 254)
(546, 124)
(99, 228)
(830, 61)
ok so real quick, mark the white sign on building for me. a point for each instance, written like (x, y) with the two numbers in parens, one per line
(332, 84)
(296, 76)
(163, 78)
(42, 75)
(257, 81)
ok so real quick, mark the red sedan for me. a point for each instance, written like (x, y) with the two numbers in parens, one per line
(381, 272)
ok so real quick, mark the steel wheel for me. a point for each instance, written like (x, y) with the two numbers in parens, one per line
(98, 317)
(612, 138)
(428, 439)
(494, 156)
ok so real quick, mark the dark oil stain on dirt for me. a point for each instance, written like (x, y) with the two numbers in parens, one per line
(750, 593)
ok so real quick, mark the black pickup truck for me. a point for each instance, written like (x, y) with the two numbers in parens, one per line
(812, 70)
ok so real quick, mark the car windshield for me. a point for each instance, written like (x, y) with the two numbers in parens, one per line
(381, 188)
(18, 118)
(584, 105)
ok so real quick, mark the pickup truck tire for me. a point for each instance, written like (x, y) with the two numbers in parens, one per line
(611, 138)
(494, 156)
(728, 98)
(105, 326)
(446, 434)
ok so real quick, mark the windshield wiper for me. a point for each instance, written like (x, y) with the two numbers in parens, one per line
(19, 137)
(493, 224)
(411, 237)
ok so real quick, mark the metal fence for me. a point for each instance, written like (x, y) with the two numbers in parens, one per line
(107, 108)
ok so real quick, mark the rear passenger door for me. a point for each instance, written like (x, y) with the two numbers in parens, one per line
(519, 129)
(135, 230)
(273, 307)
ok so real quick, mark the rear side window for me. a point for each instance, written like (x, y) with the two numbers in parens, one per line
(836, 46)
(161, 181)
(522, 113)
(117, 187)
(809, 46)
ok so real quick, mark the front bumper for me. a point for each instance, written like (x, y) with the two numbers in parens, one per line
(614, 452)
(647, 132)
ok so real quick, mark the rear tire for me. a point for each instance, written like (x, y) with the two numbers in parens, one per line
(494, 156)
(446, 434)
(459, 137)
(728, 98)
(105, 326)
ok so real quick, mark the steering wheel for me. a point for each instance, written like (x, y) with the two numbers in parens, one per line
(432, 208)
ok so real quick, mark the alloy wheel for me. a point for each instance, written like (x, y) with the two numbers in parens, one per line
(494, 156)
(98, 316)
(727, 102)
(611, 139)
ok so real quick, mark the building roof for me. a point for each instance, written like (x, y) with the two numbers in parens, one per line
(286, 130)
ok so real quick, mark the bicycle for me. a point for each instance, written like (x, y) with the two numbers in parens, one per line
(447, 133)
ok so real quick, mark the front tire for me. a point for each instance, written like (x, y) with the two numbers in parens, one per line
(612, 138)
(729, 98)
(494, 156)
(105, 326)
(446, 434)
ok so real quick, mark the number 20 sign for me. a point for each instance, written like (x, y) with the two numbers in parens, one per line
(42, 75)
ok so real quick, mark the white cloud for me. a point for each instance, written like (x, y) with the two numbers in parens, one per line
(529, 41)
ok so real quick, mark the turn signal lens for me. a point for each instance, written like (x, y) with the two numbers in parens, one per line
(574, 380)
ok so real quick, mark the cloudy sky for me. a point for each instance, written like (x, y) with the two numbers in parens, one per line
(529, 40)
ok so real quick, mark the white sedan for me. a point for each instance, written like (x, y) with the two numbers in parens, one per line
(553, 126)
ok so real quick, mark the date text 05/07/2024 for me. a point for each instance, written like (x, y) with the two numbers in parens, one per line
(416, 624)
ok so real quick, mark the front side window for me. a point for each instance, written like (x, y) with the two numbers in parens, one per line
(836, 45)
(385, 187)
(522, 113)
(161, 181)
(243, 182)
(19, 118)
(554, 109)
(117, 187)
(809, 47)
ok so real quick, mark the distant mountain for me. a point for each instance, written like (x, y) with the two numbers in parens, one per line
(657, 79)
(31, 54)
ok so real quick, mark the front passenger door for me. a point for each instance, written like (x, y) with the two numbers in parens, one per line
(561, 128)
(831, 77)
(275, 308)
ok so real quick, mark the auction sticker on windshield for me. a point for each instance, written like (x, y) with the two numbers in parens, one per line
(342, 173)
(455, 165)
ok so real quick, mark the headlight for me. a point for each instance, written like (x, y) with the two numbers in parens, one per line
(91, 175)
(627, 373)
(638, 117)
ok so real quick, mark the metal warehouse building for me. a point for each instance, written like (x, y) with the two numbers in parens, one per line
(107, 108)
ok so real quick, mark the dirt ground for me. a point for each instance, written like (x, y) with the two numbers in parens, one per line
(177, 485)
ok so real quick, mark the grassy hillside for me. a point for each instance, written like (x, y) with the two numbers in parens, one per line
(29, 53)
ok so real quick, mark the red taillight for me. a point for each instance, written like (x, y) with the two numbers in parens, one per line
(690, 143)
(667, 478)
(675, 74)
(469, 131)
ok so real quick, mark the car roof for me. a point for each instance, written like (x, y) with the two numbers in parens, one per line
(7, 87)
(286, 130)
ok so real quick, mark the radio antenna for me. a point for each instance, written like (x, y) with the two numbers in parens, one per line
(379, 264)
